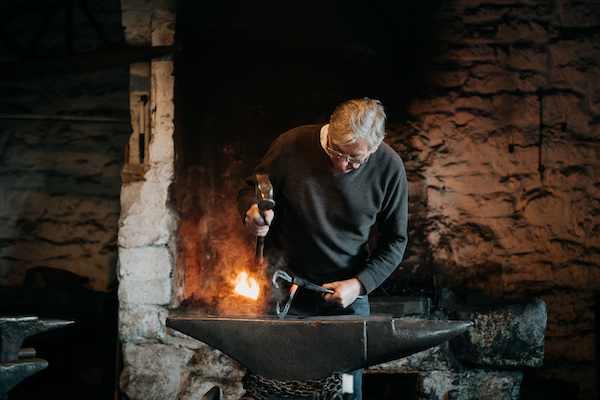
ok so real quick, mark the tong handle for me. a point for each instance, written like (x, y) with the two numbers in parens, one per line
(311, 286)
(281, 274)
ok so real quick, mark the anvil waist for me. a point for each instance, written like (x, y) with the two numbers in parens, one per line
(308, 303)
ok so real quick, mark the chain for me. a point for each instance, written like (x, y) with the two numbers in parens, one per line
(259, 388)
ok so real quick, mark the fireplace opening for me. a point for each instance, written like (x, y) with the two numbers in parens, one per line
(243, 77)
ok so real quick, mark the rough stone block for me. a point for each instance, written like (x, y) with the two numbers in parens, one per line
(435, 385)
(469, 54)
(451, 78)
(161, 173)
(154, 370)
(161, 147)
(163, 79)
(140, 384)
(469, 385)
(137, 27)
(529, 58)
(145, 263)
(145, 218)
(521, 31)
(213, 364)
(579, 14)
(176, 338)
(163, 27)
(493, 79)
(157, 356)
(150, 291)
(157, 371)
(139, 70)
(433, 359)
(142, 322)
(502, 336)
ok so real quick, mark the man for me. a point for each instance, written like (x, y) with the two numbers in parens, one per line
(332, 185)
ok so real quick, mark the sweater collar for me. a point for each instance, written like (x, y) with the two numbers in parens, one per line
(323, 136)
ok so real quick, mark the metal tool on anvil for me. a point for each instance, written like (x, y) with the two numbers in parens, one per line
(295, 282)
(264, 197)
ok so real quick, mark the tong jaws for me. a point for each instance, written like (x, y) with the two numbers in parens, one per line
(295, 282)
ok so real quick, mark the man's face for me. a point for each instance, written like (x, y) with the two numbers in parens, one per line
(348, 157)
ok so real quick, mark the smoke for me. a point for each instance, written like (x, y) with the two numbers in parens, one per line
(214, 247)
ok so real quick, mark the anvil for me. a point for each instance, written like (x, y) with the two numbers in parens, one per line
(13, 372)
(14, 330)
(307, 348)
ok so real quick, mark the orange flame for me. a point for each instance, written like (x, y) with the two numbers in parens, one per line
(246, 286)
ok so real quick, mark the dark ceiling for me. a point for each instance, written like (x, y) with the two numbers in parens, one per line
(271, 65)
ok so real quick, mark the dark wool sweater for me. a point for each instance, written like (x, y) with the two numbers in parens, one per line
(323, 218)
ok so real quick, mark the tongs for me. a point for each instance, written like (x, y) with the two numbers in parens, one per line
(295, 282)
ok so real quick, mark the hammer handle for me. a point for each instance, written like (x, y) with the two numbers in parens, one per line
(260, 245)
(260, 248)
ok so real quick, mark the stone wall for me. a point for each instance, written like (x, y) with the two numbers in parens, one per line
(156, 363)
(61, 151)
(495, 224)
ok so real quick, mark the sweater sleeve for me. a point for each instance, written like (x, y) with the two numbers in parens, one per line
(393, 239)
(246, 197)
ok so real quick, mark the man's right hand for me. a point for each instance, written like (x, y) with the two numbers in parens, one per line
(255, 223)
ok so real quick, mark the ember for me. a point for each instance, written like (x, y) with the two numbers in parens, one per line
(246, 286)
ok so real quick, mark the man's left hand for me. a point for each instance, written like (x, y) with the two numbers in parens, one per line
(345, 292)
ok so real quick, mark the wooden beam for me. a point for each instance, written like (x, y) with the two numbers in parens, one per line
(33, 68)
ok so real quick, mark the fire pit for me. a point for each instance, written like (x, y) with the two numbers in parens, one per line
(312, 348)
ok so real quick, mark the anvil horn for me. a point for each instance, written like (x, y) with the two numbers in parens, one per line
(312, 348)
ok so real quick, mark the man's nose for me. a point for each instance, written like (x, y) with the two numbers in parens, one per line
(343, 161)
(349, 163)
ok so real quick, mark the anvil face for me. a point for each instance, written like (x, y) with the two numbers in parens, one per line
(304, 348)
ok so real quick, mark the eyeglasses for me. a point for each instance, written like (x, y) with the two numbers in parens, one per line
(335, 153)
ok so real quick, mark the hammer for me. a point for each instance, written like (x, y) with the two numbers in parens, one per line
(264, 197)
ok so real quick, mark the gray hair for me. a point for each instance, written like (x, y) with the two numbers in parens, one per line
(356, 119)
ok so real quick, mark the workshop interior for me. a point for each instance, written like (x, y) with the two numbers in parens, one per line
(127, 128)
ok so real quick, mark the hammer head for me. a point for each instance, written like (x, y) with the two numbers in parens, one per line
(264, 192)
